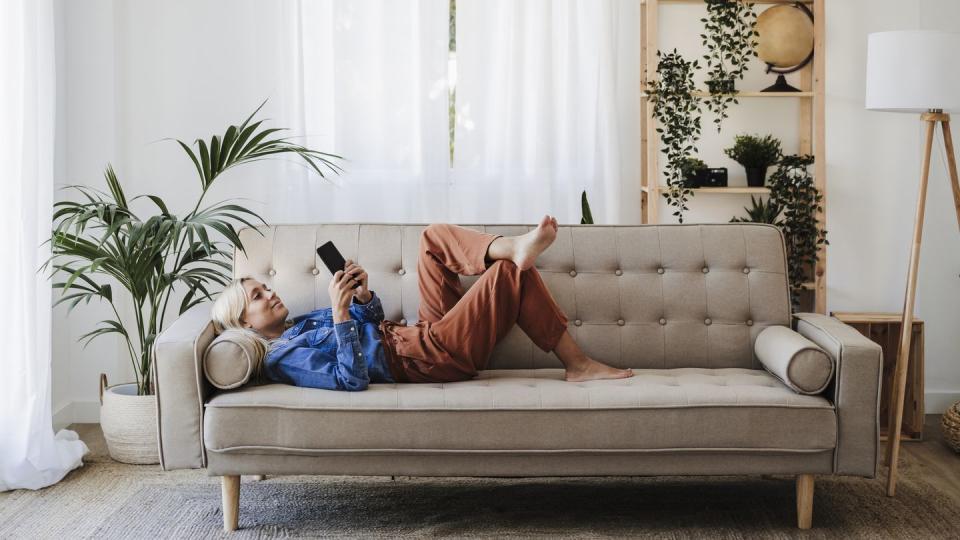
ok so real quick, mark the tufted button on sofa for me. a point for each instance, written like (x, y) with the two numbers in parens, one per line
(682, 305)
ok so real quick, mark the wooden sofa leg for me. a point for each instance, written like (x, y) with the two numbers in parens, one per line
(804, 501)
(230, 491)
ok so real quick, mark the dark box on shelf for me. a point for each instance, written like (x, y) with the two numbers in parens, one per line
(711, 177)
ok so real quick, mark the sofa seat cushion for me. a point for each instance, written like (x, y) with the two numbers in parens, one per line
(528, 410)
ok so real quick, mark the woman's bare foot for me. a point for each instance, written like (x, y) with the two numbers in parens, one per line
(590, 369)
(527, 247)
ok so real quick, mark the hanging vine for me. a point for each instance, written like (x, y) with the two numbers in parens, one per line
(677, 111)
(792, 188)
(729, 37)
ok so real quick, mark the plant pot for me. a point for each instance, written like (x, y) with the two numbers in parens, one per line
(694, 179)
(756, 176)
(129, 423)
(721, 86)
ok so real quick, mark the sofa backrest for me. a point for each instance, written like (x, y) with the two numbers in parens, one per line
(641, 296)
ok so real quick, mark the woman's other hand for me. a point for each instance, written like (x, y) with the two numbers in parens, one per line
(362, 292)
(340, 295)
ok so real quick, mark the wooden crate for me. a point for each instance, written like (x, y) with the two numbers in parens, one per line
(884, 329)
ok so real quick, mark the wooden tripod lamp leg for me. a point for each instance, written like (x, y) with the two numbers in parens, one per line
(952, 166)
(906, 328)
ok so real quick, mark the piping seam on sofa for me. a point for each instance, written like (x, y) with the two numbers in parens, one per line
(352, 451)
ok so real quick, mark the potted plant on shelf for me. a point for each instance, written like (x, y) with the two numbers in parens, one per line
(794, 196)
(99, 242)
(760, 212)
(693, 171)
(677, 110)
(756, 154)
(729, 37)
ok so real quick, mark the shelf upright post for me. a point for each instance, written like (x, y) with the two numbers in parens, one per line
(650, 176)
(819, 146)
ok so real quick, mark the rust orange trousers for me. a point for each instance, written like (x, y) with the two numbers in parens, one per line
(458, 330)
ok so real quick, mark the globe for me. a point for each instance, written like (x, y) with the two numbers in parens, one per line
(785, 36)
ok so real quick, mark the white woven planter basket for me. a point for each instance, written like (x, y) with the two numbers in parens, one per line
(129, 423)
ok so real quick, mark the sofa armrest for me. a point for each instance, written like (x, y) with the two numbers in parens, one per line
(182, 389)
(855, 390)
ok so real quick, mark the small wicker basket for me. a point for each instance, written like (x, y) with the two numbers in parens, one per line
(129, 423)
(950, 426)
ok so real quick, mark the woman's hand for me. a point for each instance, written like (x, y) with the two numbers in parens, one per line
(362, 292)
(340, 295)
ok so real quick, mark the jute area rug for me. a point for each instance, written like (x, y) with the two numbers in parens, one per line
(106, 499)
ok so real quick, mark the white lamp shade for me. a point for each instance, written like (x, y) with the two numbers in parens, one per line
(913, 71)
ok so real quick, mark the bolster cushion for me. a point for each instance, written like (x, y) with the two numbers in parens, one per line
(798, 362)
(232, 359)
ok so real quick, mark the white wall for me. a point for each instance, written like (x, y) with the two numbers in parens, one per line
(123, 83)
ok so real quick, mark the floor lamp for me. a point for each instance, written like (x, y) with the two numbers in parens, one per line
(915, 72)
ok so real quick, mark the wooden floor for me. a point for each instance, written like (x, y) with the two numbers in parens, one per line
(940, 465)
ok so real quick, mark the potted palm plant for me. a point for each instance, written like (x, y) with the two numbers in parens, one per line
(98, 243)
(756, 154)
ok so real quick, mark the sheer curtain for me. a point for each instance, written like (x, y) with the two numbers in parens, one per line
(30, 455)
(369, 82)
(547, 106)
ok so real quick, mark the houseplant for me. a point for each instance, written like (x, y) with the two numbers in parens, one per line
(729, 38)
(677, 110)
(693, 169)
(792, 187)
(795, 198)
(756, 154)
(586, 216)
(760, 212)
(99, 242)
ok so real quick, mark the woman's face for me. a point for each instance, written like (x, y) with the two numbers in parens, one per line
(265, 312)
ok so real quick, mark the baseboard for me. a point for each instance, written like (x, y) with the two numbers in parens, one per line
(76, 412)
(938, 401)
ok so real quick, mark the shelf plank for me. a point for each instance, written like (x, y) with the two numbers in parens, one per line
(703, 93)
(738, 95)
(729, 190)
(752, 1)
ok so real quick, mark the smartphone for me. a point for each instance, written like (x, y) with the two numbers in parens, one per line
(334, 260)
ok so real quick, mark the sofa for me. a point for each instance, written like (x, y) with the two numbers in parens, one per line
(700, 312)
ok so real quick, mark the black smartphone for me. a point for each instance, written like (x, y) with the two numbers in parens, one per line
(334, 260)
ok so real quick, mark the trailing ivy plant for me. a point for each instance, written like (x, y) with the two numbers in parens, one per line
(677, 110)
(792, 187)
(729, 37)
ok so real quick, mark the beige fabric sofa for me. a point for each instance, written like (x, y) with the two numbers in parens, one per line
(681, 304)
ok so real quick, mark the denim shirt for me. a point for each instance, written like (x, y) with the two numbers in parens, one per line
(318, 353)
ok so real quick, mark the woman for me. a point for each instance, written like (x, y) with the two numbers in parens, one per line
(349, 345)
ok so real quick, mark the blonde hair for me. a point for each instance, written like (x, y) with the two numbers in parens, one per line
(227, 315)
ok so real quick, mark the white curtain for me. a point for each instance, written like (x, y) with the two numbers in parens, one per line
(546, 101)
(369, 82)
(31, 456)
(547, 106)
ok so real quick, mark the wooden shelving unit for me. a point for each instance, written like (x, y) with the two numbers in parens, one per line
(811, 126)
